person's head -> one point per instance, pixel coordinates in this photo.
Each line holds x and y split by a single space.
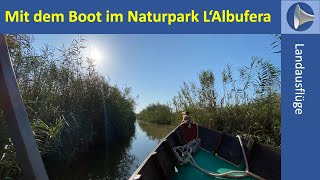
185 113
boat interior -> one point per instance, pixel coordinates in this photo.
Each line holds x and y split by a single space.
219 153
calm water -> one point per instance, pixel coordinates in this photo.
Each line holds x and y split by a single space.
118 161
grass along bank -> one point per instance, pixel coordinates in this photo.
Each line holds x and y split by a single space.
248 103
63 95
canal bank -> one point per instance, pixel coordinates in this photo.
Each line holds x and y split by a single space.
116 162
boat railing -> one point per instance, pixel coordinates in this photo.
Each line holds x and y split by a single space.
18 124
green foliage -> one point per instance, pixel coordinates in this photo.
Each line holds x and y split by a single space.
156 113
67 100
261 77
258 119
47 137
8 165
276 44
248 105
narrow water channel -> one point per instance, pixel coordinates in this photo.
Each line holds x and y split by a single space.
118 161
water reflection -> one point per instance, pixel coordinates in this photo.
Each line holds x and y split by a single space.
117 161
113 162
155 131
147 137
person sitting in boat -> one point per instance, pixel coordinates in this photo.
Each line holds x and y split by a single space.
186 118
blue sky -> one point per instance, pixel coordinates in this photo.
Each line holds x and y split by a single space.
155 66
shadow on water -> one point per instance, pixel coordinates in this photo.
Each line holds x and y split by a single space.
117 161
101 162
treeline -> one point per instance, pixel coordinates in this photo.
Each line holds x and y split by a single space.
70 105
248 103
156 113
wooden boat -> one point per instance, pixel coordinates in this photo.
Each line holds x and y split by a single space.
219 153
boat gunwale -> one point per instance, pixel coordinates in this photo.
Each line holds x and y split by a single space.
154 151
136 172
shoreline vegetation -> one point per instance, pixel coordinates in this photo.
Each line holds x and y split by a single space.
248 105
63 95
73 109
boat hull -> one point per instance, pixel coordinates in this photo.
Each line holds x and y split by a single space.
162 163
